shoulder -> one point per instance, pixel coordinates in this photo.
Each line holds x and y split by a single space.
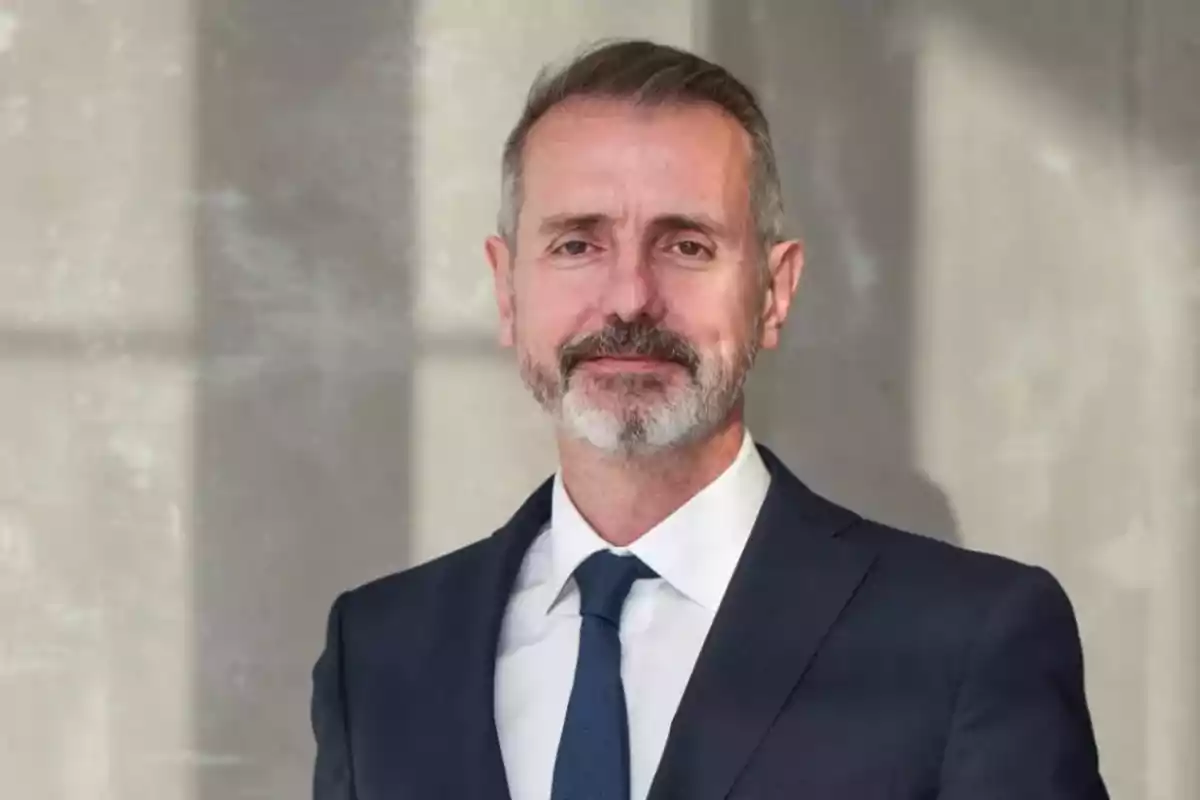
938 588
922 559
423 587
448 590
905 566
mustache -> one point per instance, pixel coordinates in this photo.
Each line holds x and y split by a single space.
636 338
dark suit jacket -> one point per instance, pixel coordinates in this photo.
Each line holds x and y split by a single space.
848 661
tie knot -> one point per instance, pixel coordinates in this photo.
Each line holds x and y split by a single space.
604 580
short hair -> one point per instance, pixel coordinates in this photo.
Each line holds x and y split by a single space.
646 73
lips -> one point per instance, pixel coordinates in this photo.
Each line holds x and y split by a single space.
637 346
628 363
630 358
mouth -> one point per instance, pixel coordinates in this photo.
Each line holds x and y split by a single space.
609 364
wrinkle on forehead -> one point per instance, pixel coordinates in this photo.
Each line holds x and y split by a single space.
635 163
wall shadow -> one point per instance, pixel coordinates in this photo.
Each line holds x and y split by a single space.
1128 71
839 83
304 229
836 399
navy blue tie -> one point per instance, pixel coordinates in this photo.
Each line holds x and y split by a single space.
593 753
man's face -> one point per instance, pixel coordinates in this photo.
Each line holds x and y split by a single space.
636 296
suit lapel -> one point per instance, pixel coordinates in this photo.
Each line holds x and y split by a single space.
473 628
791 583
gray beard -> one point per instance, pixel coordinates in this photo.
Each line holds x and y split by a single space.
644 414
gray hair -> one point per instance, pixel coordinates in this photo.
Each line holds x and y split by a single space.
651 74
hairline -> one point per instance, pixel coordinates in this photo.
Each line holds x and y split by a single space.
762 178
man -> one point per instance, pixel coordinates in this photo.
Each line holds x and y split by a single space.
673 614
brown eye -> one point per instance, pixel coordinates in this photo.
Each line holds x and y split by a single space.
691 249
575 247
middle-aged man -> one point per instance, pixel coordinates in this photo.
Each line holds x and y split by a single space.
673 614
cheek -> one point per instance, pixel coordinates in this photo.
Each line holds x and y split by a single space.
551 308
542 324
716 318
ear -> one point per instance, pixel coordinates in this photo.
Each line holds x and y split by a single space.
500 259
784 264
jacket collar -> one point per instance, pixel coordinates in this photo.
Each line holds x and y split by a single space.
794 564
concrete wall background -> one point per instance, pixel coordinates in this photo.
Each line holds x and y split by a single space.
246 348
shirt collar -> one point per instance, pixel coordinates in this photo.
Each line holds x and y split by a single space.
695 549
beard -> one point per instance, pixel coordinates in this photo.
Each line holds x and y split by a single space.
640 413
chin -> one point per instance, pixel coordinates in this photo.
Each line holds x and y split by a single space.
632 428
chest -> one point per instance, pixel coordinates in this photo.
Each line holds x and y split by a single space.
661 632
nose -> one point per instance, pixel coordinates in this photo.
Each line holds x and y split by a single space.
633 289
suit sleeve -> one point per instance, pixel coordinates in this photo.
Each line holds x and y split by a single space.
332 774
1021 727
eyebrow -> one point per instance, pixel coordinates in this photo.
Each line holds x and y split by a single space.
560 223
701 223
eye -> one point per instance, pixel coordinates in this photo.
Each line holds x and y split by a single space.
572 247
690 248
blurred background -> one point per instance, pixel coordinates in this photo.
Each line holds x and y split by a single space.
247 359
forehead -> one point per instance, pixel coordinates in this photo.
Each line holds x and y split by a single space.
592 155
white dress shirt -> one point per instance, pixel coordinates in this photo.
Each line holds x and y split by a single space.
663 624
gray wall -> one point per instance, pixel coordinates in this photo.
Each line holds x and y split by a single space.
247 360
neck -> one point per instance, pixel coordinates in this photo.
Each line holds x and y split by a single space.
622 497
